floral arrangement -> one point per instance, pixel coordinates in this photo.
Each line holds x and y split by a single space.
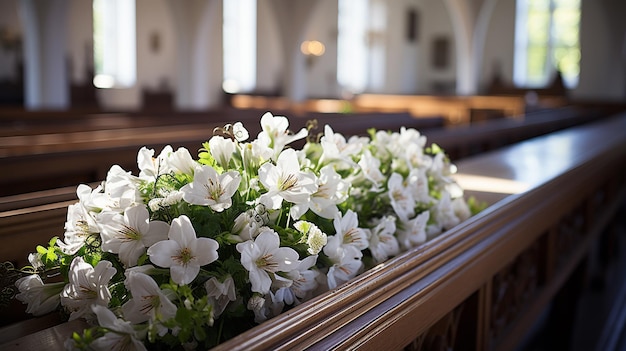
191 252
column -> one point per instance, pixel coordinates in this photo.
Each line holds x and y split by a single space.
45 68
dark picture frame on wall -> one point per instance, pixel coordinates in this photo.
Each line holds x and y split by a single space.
412 23
441 52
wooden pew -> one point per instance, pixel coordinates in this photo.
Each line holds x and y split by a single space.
464 141
483 284
44 161
456 110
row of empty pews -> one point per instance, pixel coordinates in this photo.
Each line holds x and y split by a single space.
479 287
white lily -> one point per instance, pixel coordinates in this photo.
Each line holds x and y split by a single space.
370 166
121 335
130 234
222 150
444 212
92 199
121 189
413 232
247 226
220 293
148 303
183 253
211 189
285 181
151 167
181 161
263 257
87 286
348 232
275 130
303 282
337 150
331 191
346 261
383 243
402 201
79 226
41 298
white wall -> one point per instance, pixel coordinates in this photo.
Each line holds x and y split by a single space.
434 23
80 40
269 50
156 65
603 57
401 76
321 75
499 44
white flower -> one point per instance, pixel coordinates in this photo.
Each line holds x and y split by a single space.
264 307
148 302
303 282
211 189
263 257
181 161
130 234
370 166
79 226
346 261
121 189
444 212
170 199
348 231
418 185
275 131
461 209
315 238
41 298
121 335
247 226
35 260
383 243
240 132
222 150
220 293
285 181
413 232
151 167
401 199
256 304
91 199
337 150
87 286
183 253
331 191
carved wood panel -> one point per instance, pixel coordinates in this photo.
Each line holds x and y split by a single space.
441 336
513 287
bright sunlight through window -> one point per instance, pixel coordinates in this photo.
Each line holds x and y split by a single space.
547 39
239 45
114 40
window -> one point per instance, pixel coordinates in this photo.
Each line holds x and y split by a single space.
547 39
239 36
114 40
361 45
352 46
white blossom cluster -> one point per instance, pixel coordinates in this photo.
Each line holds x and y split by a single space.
245 231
